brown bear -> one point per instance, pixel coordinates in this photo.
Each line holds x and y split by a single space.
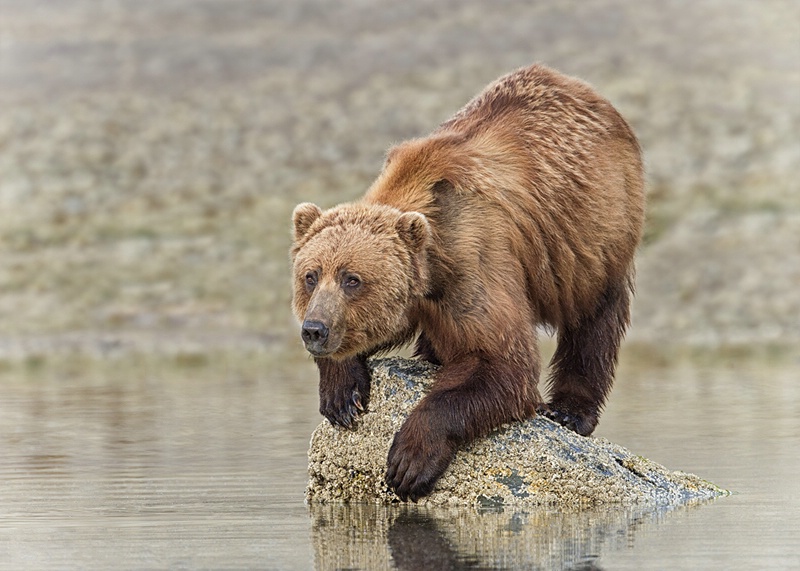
524 209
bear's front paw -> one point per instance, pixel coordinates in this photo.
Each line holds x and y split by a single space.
342 406
344 388
416 463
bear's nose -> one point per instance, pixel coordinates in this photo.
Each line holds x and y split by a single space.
314 333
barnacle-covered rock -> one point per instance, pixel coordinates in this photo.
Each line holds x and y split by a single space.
536 462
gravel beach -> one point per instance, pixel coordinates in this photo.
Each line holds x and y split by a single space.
152 153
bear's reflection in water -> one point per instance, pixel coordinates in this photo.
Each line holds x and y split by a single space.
409 537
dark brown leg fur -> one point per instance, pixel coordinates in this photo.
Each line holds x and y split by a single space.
584 362
470 398
343 389
424 350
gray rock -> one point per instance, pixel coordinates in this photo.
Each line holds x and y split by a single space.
536 462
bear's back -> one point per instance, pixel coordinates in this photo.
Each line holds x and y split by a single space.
542 99
538 168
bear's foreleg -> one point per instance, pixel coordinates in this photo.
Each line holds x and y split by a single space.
423 349
584 362
470 398
343 389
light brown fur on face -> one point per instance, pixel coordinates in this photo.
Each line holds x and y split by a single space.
524 209
381 249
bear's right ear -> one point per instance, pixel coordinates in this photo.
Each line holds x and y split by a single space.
414 230
303 217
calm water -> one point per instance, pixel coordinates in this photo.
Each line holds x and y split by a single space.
142 465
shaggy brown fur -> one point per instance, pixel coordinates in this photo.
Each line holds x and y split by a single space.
525 208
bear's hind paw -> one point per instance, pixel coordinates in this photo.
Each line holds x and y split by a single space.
581 424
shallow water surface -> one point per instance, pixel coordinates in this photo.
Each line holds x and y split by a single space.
131 465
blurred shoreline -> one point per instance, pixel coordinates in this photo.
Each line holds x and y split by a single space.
150 155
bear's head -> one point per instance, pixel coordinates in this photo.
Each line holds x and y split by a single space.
357 271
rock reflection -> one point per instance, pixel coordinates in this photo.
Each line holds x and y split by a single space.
416 541
408 537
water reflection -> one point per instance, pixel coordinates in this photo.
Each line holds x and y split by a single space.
142 464
408 537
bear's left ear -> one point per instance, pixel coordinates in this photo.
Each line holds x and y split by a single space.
303 217
414 230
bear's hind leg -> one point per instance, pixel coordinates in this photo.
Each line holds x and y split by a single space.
584 362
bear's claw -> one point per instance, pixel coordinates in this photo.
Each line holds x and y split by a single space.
583 425
343 411
344 388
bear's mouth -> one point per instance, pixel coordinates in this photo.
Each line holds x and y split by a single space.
318 352
328 350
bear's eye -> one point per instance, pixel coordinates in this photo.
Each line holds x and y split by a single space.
351 282
311 279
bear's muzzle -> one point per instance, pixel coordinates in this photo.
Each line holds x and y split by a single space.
315 336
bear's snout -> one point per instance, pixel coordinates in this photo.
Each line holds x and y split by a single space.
315 336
